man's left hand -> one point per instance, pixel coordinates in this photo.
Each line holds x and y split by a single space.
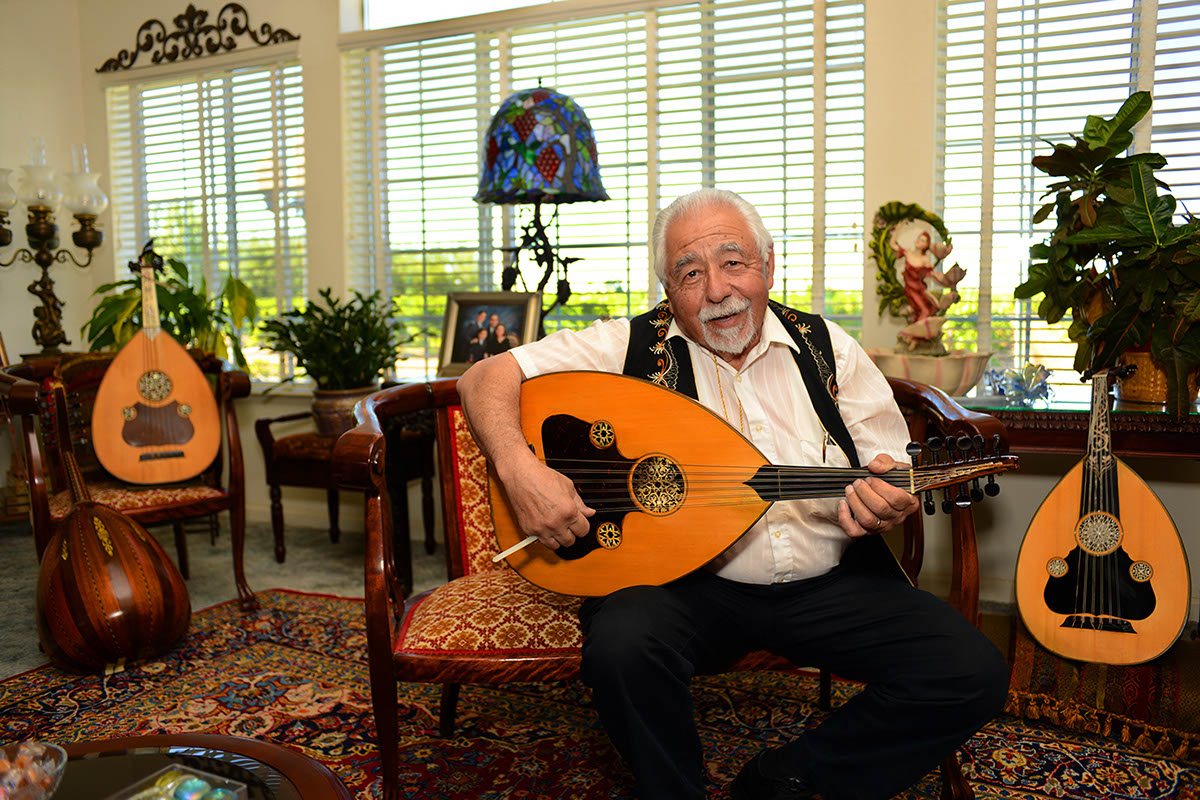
873 505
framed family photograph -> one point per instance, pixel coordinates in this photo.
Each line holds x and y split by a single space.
479 325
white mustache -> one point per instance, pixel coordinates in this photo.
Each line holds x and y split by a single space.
731 305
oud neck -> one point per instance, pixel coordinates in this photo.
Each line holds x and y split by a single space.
773 482
1099 448
150 322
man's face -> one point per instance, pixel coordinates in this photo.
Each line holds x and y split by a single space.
480 318
493 320
716 283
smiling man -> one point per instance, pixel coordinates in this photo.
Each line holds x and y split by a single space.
809 580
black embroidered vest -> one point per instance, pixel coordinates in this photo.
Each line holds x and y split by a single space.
664 361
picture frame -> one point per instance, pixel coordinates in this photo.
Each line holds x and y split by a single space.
466 312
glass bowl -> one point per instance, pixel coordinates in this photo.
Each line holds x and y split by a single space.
30 770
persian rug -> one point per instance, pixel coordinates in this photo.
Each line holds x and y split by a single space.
295 673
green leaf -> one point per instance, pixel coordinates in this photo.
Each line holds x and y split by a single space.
1099 132
1101 234
1149 213
1042 213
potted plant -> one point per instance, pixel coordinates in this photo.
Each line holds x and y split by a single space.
1116 260
186 312
344 346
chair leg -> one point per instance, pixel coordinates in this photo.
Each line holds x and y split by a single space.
427 499
237 529
825 697
277 522
448 710
331 500
181 553
954 785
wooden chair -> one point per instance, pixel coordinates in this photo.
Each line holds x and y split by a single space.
49 499
304 459
534 635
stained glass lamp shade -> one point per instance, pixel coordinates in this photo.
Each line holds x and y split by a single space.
539 148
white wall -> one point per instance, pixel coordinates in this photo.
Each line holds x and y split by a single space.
64 103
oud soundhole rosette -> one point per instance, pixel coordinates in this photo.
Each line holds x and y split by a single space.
602 434
1141 571
1057 567
609 535
154 386
657 485
1098 533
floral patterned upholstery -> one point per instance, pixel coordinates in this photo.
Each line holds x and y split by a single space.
472 503
127 498
491 610
496 612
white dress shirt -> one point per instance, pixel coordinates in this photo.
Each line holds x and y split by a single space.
768 401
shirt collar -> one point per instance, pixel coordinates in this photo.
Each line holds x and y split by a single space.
773 332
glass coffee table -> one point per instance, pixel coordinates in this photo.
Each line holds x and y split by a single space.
270 772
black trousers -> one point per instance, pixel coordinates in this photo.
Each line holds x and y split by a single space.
932 678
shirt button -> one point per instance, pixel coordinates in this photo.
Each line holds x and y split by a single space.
758 427
737 378
778 534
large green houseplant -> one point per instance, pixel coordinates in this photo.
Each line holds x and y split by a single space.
1116 259
344 346
186 312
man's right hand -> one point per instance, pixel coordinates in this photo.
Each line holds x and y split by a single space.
545 504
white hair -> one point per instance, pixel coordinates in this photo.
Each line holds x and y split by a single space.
704 199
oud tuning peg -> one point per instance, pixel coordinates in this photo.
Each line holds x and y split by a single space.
977 444
947 496
991 488
914 453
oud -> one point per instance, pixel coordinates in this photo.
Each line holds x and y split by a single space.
107 593
1102 575
672 483
155 417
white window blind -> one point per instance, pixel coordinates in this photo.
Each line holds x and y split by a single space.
211 167
764 98
1017 73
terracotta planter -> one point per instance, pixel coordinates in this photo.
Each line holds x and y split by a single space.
1149 383
333 409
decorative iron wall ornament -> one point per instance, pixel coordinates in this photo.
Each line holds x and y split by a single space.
195 37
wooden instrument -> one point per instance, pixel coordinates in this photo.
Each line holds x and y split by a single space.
672 484
155 416
107 593
1102 575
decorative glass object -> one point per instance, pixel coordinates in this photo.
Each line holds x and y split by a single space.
539 147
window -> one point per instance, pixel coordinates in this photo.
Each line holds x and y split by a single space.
765 98
212 168
1017 73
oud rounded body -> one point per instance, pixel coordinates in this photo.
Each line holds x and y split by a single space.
107 592
155 417
1100 587
654 446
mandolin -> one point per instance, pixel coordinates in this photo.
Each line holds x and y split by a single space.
155 417
107 593
1102 575
672 483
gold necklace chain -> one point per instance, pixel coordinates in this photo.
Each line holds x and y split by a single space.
721 392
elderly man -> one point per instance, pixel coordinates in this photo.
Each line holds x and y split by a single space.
810 580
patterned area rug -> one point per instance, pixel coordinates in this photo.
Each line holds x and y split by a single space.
295 673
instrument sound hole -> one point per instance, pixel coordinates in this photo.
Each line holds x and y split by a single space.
1057 567
1141 571
154 386
1098 533
657 485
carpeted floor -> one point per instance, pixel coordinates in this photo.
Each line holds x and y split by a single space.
313 564
294 672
